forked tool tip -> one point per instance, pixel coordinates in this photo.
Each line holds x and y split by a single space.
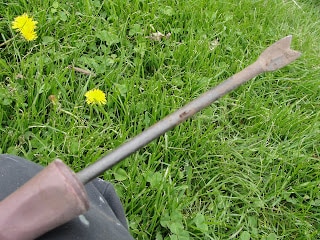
278 55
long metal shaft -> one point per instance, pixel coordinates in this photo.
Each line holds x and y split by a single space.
168 123
274 57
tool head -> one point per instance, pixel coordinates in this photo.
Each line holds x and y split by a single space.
278 55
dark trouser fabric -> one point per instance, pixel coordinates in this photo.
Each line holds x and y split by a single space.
105 219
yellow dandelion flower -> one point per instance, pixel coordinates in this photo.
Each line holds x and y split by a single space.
95 96
26 26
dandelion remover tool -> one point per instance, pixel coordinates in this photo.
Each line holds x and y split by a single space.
57 194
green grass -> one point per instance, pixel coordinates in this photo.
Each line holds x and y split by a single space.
246 167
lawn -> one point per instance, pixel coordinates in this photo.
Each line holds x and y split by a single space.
247 167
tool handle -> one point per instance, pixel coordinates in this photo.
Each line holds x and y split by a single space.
52 197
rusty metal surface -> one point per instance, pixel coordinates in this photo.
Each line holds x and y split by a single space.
51 198
278 55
